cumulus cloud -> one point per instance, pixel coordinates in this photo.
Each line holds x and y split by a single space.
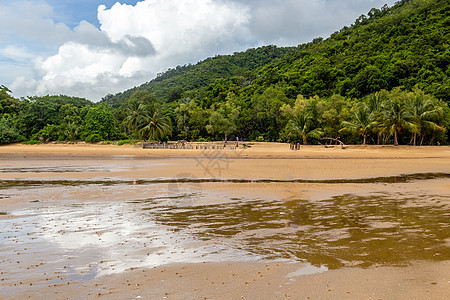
135 42
129 45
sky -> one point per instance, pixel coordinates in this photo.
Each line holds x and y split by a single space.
91 48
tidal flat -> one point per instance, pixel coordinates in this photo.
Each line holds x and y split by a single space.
368 222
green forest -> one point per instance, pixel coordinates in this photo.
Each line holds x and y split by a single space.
382 80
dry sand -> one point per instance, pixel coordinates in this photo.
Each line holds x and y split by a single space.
228 280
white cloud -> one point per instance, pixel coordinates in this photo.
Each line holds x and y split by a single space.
17 53
32 21
134 43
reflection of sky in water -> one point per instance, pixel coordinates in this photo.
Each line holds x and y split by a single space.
87 240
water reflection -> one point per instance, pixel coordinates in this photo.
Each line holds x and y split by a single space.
86 240
347 230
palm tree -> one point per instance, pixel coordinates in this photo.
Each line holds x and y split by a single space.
301 125
154 125
395 117
135 114
424 115
375 105
362 122
71 131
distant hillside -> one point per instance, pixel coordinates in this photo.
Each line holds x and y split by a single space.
400 46
170 85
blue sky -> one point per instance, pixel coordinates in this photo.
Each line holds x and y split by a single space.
90 48
71 12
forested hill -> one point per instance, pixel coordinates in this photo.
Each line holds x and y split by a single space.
171 85
400 46
382 80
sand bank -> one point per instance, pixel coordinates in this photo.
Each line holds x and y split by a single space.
253 150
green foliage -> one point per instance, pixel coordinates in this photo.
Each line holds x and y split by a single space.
8 132
37 112
222 118
172 84
126 142
154 124
301 126
145 117
362 121
51 132
93 138
99 124
8 104
31 142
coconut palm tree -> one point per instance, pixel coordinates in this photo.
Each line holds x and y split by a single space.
424 113
301 125
363 120
135 116
395 117
154 125
71 130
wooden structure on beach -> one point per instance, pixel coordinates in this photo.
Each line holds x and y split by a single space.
185 145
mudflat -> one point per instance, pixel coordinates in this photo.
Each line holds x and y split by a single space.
115 222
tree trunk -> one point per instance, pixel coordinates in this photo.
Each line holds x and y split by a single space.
305 142
395 138
364 139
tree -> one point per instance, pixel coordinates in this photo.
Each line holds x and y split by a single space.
99 124
361 123
191 120
8 132
223 117
301 125
396 116
154 124
425 115
8 104
331 114
135 115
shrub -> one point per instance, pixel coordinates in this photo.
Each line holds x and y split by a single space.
31 142
93 138
8 132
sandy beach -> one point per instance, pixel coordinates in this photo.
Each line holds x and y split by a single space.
364 222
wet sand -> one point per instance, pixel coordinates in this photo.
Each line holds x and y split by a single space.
65 185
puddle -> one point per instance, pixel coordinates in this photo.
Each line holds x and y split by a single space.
340 232
76 242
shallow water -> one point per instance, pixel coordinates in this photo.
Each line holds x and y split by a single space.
76 230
